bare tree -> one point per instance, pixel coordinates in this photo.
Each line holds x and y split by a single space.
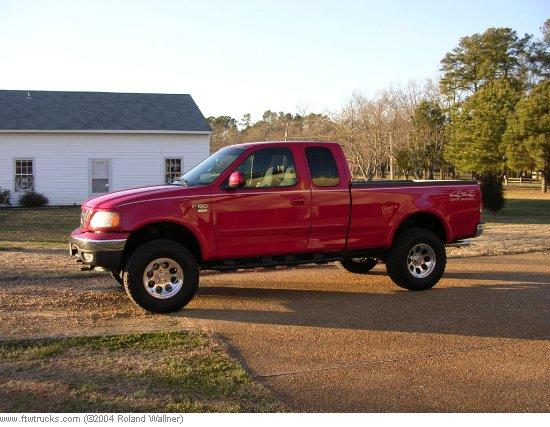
361 127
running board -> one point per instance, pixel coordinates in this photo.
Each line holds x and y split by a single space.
288 259
459 244
273 261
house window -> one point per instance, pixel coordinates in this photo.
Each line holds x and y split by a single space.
24 175
100 176
172 170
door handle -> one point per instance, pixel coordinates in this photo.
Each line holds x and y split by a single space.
298 202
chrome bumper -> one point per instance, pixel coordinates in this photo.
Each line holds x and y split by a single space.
102 254
466 242
98 245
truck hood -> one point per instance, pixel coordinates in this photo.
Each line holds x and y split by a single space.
142 194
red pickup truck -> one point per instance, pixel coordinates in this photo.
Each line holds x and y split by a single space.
268 204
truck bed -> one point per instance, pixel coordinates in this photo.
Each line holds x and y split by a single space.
378 207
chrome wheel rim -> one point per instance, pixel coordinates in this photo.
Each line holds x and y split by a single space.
163 278
421 261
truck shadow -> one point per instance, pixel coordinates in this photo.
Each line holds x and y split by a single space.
509 310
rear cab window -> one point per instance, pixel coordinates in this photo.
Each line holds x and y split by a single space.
322 167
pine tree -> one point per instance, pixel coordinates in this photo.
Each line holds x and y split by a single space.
477 129
479 59
527 137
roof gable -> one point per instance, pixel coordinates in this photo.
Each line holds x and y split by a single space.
99 111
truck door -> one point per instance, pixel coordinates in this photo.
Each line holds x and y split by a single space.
330 201
270 214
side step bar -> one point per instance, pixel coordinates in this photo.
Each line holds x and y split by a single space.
459 243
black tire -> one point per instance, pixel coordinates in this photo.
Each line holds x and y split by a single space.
359 267
117 275
404 273
135 270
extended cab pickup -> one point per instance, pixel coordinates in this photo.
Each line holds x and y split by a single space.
269 204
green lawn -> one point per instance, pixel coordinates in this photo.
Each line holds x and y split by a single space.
158 372
521 211
37 227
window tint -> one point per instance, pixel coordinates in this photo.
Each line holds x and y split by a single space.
172 170
322 166
24 176
270 167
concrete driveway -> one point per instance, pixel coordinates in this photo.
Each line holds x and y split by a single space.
326 340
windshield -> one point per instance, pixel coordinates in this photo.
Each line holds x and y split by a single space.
210 168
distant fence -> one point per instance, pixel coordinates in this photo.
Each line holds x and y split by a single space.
522 180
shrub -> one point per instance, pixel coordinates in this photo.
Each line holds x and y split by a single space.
31 199
492 193
5 197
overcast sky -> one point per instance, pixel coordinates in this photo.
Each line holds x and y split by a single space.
236 56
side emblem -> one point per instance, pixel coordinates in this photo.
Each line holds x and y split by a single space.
462 195
201 208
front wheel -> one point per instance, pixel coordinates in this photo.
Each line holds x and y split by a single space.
161 276
359 265
417 259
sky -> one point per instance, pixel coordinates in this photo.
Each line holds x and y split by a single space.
242 56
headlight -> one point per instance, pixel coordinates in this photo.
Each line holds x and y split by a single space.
105 220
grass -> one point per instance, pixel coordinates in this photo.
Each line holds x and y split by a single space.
523 206
157 372
48 227
521 211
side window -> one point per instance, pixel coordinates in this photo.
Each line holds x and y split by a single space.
270 167
322 166
24 175
172 170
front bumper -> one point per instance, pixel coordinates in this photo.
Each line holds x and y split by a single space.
92 252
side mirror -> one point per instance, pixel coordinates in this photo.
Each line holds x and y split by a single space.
236 180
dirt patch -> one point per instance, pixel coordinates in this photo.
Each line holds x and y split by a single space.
39 263
507 239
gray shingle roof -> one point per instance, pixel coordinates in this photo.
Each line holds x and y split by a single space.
47 110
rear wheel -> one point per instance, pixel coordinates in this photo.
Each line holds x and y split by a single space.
359 265
417 259
161 276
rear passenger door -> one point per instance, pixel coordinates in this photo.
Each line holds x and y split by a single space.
270 214
330 200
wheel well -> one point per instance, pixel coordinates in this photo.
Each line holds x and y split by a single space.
423 220
162 230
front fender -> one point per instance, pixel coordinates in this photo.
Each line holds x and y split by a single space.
181 211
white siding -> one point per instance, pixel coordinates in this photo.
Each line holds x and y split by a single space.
61 161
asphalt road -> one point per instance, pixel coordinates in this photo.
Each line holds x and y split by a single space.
326 340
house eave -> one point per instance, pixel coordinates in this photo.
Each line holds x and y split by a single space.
106 131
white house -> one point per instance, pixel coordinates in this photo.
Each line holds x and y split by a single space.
73 145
